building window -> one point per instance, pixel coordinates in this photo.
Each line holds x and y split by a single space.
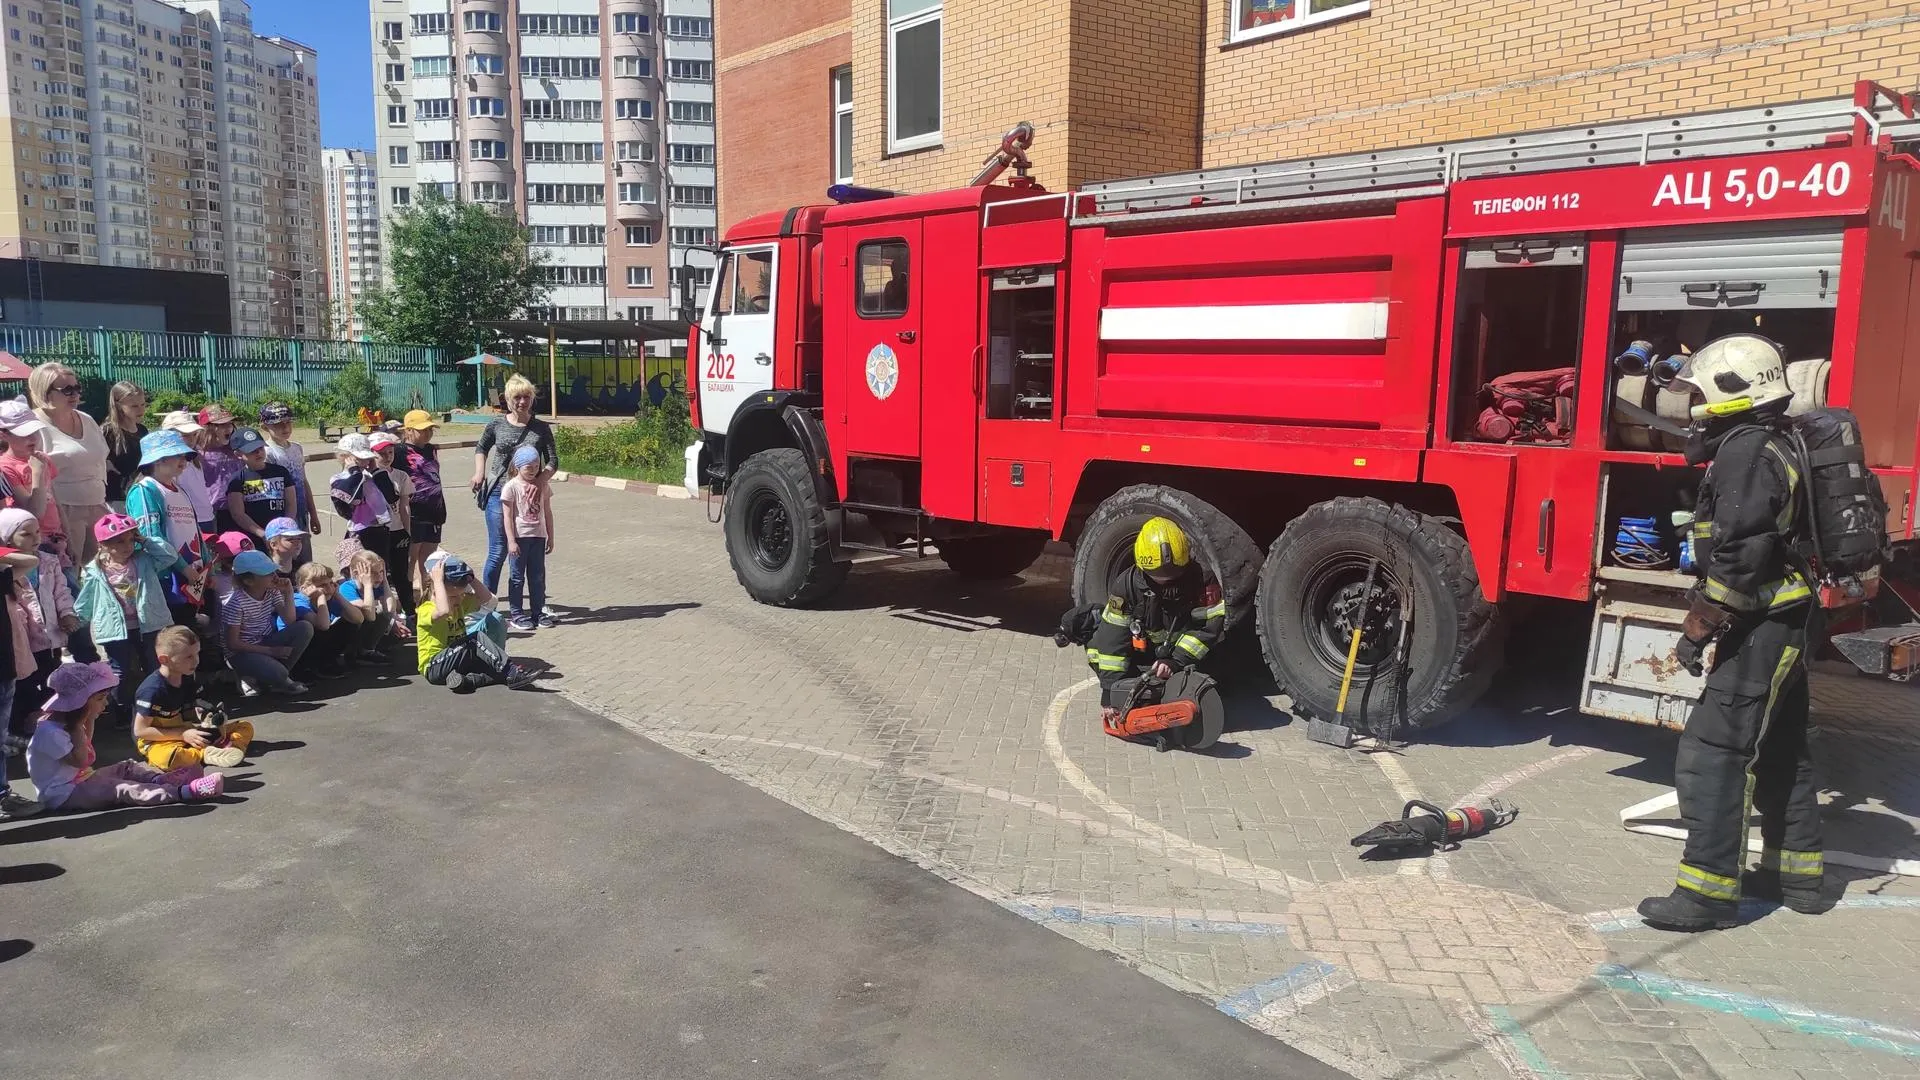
574 275
396 155
486 64
633 109
1263 18
560 67
559 151
430 24
433 108
690 112
396 73
486 150
632 24
436 151
686 26
428 67
569 235
639 193
639 235
633 67
392 31
690 154
494 191
632 150
881 279
396 116
567 109
446 190
640 277
690 70
402 196
486 106
843 126
481 20
567 194
695 237
691 195
913 74
561 25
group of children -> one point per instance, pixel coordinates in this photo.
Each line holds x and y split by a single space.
185 582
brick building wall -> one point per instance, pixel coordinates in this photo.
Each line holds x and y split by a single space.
1416 71
774 98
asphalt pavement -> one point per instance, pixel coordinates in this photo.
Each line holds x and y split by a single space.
408 883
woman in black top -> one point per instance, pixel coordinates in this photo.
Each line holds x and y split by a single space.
492 458
123 430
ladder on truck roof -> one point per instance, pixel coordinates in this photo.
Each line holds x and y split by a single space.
1317 183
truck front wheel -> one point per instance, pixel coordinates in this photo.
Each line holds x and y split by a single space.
1313 593
777 536
986 558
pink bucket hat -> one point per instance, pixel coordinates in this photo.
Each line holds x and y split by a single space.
73 684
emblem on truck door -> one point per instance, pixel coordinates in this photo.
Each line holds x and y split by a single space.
883 372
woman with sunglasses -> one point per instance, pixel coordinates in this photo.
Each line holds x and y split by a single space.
74 444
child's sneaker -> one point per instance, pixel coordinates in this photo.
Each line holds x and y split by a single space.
223 757
520 622
248 689
210 786
518 677
291 686
547 621
15 807
460 683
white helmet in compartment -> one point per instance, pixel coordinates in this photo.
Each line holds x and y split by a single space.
1736 373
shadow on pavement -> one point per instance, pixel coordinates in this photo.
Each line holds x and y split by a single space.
75 826
25 872
14 949
570 615
1030 604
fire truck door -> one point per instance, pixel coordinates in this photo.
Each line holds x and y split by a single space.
883 346
736 337
1018 418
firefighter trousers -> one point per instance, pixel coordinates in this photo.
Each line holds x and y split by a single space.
1749 744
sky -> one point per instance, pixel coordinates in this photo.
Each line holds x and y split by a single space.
341 32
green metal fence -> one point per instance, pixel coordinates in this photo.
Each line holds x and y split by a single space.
220 365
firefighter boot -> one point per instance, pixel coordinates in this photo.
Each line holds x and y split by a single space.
1796 892
1687 911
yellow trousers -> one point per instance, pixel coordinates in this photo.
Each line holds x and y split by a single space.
172 754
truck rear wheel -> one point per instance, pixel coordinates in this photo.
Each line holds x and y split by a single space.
1226 552
1000 555
776 529
1311 594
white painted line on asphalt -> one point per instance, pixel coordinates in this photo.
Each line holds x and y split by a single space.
1639 818
1499 784
1165 843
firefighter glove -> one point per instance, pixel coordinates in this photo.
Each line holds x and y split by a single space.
1705 622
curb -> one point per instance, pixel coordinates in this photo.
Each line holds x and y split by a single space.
640 487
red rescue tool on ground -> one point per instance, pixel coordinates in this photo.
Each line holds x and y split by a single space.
1444 360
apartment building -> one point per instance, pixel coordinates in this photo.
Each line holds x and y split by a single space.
168 136
912 94
590 120
353 234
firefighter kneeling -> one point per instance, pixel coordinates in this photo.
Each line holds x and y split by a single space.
1162 617
1747 741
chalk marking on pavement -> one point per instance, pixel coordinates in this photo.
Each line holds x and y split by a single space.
1057 913
1171 845
1293 984
1403 786
1505 1038
1618 919
1501 783
1852 1030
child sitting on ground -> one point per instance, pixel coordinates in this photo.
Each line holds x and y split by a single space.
124 604
526 512
263 654
166 720
285 541
364 585
462 641
60 758
336 623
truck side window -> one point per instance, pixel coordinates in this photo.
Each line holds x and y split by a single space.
751 290
881 283
1020 335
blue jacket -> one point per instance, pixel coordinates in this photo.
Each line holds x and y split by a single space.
147 506
101 609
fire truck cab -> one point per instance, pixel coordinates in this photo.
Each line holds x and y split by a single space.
1300 362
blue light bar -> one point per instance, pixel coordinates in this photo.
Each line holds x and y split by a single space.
849 193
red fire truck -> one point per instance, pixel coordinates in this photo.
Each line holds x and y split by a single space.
1298 362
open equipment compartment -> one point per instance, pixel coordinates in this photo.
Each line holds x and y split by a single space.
1519 309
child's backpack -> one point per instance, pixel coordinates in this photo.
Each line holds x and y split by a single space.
1847 511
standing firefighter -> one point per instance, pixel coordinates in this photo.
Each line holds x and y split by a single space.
1747 742
1161 616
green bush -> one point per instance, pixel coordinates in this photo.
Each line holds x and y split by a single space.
651 446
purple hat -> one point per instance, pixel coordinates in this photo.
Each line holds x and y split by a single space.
73 684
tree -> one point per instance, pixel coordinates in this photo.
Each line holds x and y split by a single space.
452 266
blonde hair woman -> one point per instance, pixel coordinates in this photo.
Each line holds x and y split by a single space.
124 428
74 444
492 462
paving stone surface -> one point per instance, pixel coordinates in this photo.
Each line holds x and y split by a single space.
934 718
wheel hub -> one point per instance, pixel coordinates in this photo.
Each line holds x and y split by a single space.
772 531
1337 600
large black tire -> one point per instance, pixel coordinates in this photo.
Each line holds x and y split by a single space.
777 533
1000 555
1458 637
1226 552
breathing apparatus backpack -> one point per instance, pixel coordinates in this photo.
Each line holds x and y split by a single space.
1847 512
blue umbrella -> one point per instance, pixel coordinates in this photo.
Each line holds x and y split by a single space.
479 361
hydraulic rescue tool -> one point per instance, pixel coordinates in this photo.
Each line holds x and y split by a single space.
1436 828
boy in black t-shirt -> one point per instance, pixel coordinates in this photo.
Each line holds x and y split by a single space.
258 493
166 717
